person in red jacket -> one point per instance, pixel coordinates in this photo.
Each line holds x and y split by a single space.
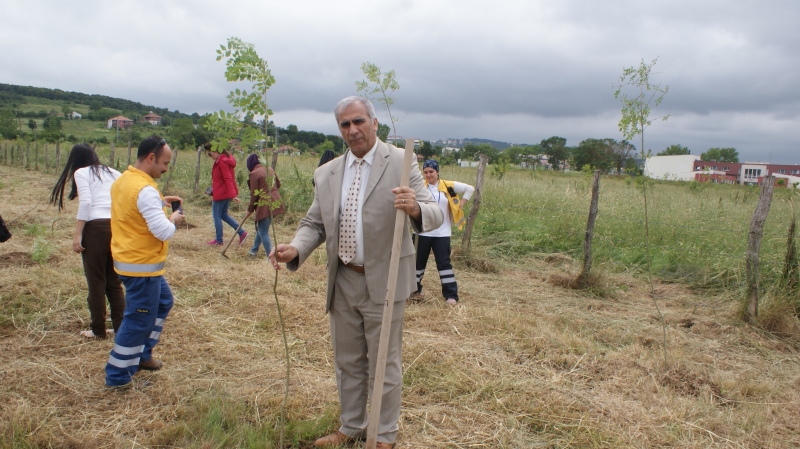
223 185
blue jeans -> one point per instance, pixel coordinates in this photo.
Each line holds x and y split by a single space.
219 210
262 236
148 302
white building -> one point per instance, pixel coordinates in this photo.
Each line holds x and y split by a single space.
672 168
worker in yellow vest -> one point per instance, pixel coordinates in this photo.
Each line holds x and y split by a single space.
140 233
446 195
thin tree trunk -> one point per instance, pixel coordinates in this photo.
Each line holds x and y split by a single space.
197 169
476 204
754 247
583 279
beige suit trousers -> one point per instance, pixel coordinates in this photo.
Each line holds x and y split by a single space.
355 333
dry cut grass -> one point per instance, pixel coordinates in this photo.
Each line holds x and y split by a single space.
520 362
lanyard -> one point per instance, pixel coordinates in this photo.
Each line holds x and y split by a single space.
438 198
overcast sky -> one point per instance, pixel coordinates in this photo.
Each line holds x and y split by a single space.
515 71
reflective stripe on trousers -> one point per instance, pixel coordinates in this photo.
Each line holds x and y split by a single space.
148 302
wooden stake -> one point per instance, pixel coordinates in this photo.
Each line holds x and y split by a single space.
111 156
129 154
388 310
476 205
46 158
754 246
583 279
197 169
58 156
274 160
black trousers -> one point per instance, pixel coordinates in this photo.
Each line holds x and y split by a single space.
441 253
101 278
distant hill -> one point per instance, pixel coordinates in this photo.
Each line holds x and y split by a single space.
12 96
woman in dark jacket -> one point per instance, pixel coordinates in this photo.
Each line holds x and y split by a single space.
262 202
223 184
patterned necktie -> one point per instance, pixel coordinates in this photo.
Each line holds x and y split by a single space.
347 226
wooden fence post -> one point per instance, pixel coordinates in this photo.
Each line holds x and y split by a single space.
274 160
36 157
583 279
111 156
171 168
58 156
476 204
129 153
46 159
28 155
197 169
754 246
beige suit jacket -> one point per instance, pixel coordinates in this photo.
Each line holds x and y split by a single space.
321 223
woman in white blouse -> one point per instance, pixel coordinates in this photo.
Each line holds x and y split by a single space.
91 183
446 194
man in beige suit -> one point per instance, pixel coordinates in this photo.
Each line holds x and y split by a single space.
355 202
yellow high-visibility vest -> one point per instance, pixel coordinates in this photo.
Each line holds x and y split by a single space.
135 250
455 212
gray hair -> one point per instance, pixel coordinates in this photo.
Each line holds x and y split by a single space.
344 103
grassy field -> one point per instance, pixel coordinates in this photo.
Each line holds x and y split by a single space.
520 362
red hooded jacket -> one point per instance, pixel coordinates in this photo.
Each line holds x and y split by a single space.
223 179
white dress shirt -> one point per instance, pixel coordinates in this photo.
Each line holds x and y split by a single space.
349 174
151 206
94 193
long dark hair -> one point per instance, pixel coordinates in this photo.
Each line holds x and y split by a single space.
81 155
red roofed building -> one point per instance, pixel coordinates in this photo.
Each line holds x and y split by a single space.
151 118
120 121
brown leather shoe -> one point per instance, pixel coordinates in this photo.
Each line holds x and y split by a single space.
380 445
150 365
333 440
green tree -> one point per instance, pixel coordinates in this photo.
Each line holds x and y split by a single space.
635 119
621 153
325 146
674 150
596 153
382 85
181 133
383 131
242 64
95 105
67 111
52 124
8 124
471 151
636 109
426 150
555 148
720 155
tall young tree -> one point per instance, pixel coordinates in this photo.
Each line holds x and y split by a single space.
635 119
243 64
384 86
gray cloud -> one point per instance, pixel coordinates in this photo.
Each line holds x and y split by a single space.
505 70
